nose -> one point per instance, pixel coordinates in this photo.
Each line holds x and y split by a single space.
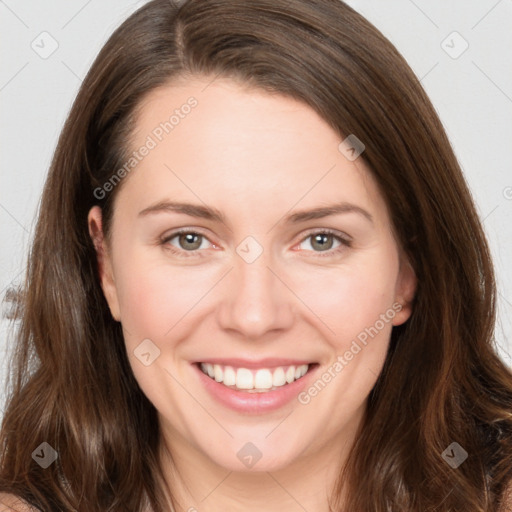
255 299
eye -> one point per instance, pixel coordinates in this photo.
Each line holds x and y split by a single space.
186 241
323 241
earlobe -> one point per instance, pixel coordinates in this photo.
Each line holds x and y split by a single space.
405 292
94 221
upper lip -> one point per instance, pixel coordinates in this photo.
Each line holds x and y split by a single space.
253 363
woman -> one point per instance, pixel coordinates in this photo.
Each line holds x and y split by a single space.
258 281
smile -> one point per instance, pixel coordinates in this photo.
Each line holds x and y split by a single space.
254 381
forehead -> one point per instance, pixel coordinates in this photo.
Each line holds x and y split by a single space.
223 108
222 140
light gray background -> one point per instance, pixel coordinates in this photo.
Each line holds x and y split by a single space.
471 90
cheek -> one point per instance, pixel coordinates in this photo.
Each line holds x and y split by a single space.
155 297
351 298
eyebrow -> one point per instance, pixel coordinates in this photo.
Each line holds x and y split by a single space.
210 213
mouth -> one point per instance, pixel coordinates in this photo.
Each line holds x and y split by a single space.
255 380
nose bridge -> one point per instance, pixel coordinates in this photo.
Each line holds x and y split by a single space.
256 300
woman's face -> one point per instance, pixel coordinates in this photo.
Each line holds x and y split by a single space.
288 263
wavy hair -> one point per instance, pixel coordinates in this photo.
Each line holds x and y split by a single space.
443 381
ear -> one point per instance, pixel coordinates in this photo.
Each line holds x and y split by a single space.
94 221
405 291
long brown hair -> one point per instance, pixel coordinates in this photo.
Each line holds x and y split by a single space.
442 382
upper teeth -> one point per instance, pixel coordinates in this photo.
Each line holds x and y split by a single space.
263 378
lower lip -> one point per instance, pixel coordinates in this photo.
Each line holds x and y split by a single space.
255 403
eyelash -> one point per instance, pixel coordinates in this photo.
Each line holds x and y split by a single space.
186 254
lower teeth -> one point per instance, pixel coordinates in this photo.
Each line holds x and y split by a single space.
255 390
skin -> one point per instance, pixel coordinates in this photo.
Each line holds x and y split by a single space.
255 157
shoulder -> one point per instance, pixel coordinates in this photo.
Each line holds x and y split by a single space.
13 503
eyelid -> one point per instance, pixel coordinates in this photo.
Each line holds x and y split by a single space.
338 234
